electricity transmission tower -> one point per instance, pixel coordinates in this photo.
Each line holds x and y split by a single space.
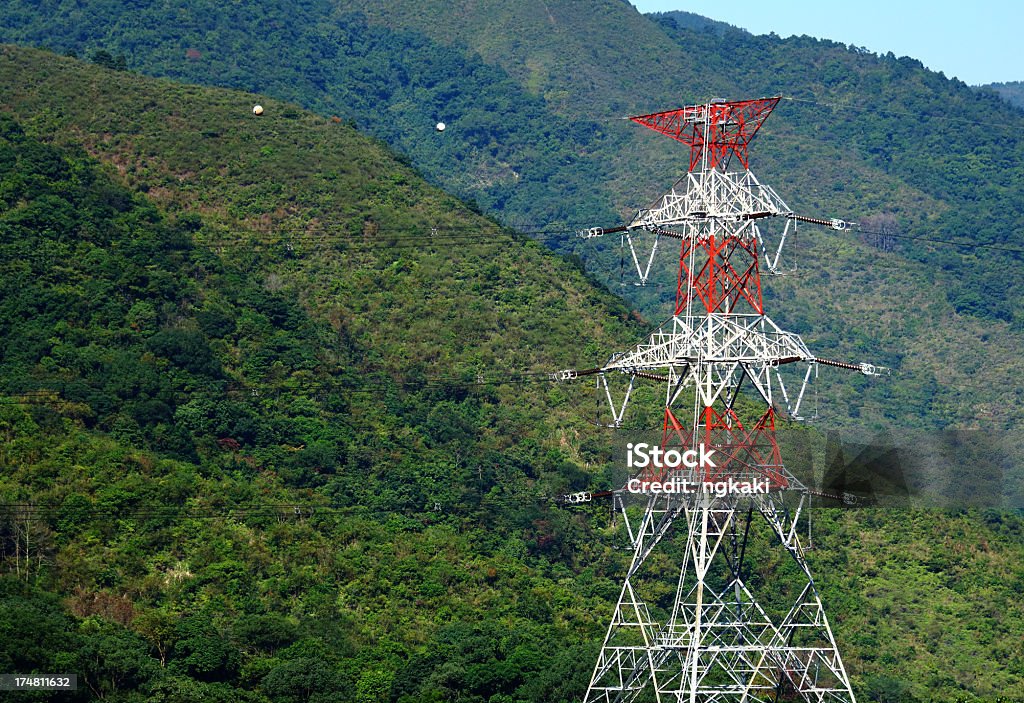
734 619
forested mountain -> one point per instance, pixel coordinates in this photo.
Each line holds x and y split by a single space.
276 415
272 430
533 96
1012 92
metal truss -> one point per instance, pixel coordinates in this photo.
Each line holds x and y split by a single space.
717 642
713 195
751 344
715 132
719 635
701 204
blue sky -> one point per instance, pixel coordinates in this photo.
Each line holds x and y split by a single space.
977 41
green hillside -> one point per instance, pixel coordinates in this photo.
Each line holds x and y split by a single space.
272 430
533 100
262 433
859 136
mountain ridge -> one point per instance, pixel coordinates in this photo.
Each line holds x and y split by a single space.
376 593
535 136
1011 91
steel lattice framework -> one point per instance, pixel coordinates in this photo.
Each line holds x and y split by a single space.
720 634
715 131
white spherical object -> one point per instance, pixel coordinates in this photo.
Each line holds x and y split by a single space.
440 126
257 109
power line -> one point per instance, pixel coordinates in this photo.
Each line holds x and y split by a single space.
417 239
863 108
57 393
29 510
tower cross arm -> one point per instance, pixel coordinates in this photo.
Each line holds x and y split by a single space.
715 131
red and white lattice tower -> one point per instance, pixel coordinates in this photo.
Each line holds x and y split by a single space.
720 630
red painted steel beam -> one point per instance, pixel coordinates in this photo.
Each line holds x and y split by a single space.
715 132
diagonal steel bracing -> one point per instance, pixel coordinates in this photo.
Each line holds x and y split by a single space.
722 631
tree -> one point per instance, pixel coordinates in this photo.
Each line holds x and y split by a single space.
880 231
201 652
305 680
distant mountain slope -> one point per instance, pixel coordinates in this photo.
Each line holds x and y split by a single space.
276 418
533 96
500 145
695 22
1012 92
859 135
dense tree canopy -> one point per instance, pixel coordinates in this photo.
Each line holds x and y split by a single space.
253 453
